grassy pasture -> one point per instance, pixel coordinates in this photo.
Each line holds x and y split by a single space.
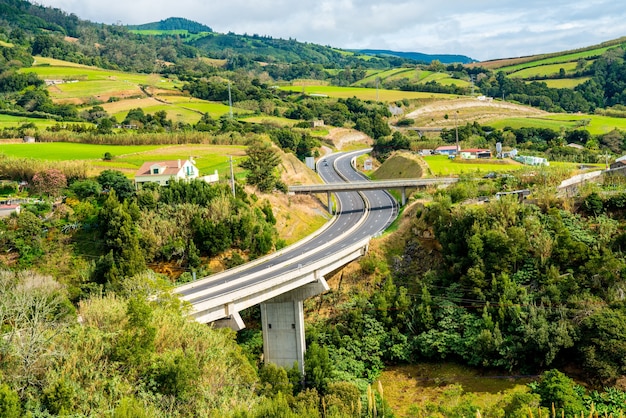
441 165
573 57
128 158
208 157
444 79
272 120
8 121
383 75
598 125
100 90
92 82
175 113
365 93
63 151
565 83
544 70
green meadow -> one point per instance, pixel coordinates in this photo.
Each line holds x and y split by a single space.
597 125
9 121
544 70
64 151
575 56
441 165
128 158
565 83
365 93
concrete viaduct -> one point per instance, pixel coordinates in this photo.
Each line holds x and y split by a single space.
280 282
371 185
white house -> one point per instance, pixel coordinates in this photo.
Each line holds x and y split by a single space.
162 172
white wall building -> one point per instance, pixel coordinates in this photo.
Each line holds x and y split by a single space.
162 172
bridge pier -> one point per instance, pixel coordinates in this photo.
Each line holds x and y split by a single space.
330 202
403 196
282 320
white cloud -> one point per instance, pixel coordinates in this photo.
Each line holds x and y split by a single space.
481 29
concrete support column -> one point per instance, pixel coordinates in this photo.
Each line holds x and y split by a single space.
282 321
283 333
403 196
330 203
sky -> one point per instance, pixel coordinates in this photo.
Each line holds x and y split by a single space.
480 29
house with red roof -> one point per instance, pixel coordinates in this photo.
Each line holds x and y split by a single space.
162 172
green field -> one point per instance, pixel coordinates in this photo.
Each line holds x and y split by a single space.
84 84
365 93
598 125
8 121
544 70
441 165
565 83
573 57
63 151
128 158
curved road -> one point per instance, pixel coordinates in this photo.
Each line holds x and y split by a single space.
352 208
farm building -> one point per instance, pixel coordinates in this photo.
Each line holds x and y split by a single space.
162 171
619 162
473 153
447 150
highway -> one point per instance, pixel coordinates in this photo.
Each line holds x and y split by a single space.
354 221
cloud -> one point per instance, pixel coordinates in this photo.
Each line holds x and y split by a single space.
482 29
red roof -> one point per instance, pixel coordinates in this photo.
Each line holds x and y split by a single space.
446 147
171 167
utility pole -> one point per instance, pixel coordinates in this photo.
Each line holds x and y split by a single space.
456 131
230 104
232 175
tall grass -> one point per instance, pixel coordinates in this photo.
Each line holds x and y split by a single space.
133 138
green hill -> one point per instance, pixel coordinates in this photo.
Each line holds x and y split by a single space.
173 23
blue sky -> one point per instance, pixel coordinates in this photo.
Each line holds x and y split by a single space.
481 29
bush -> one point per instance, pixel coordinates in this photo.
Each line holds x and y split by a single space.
9 402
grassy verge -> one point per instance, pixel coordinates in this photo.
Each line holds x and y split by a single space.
427 389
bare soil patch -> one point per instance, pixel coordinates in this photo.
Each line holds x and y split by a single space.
341 137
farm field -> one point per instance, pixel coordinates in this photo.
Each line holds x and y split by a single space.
128 158
544 70
85 84
64 151
598 125
575 56
365 93
9 121
441 165
565 83
272 120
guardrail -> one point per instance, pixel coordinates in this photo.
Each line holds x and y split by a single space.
233 301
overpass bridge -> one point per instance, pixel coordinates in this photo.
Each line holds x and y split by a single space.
282 281
401 184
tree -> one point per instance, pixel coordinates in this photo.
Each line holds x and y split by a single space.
51 182
125 257
261 165
116 180
557 389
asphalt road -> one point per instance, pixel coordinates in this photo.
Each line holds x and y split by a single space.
352 207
